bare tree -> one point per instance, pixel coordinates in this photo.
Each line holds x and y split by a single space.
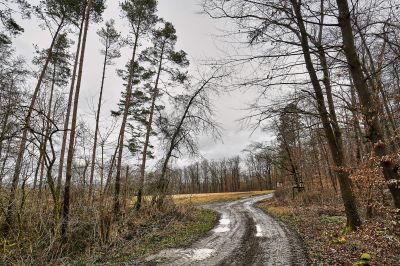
195 116
110 40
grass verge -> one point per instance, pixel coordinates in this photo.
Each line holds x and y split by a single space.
146 235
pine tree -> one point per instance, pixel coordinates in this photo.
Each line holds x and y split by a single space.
141 17
163 57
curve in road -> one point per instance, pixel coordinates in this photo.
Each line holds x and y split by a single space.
245 235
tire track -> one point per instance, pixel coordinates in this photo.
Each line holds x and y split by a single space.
245 235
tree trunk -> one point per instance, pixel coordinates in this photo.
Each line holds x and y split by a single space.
148 133
24 138
68 113
71 150
128 96
97 124
334 141
370 104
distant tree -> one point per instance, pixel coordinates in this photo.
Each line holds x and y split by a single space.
288 129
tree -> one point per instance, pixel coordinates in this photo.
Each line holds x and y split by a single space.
71 148
59 11
57 76
194 115
141 17
288 130
164 57
13 75
109 37
369 102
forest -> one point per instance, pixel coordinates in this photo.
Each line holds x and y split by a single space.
107 188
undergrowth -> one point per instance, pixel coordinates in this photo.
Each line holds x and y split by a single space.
95 239
318 215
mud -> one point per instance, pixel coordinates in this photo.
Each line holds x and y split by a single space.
245 235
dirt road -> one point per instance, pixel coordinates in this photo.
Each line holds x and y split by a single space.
245 235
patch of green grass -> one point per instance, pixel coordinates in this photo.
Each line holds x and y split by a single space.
182 235
176 234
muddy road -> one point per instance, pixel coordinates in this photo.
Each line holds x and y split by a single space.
245 235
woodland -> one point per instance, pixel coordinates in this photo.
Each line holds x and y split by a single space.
327 79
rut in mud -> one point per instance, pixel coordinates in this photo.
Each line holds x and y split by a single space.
245 235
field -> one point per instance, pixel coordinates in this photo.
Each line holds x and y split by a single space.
199 199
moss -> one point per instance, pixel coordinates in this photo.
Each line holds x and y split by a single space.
347 229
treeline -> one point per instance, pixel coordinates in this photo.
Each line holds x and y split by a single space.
59 175
328 76
254 172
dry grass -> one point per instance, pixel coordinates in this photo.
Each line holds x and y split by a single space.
94 240
206 198
203 198
278 210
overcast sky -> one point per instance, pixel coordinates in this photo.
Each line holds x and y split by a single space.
197 35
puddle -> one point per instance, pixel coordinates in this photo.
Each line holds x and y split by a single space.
224 221
201 254
223 225
259 231
221 229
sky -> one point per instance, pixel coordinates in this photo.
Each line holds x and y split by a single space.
198 35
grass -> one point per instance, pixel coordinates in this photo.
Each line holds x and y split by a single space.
180 234
153 236
136 235
153 231
206 198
